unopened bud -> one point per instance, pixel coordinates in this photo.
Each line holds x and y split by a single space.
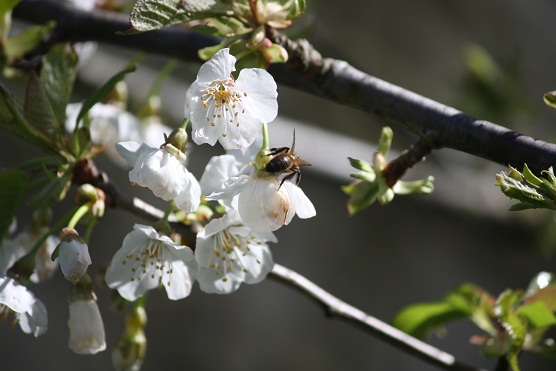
85 327
73 255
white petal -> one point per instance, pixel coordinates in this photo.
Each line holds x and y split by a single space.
218 170
263 207
242 136
303 206
211 283
131 150
219 67
31 311
230 188
189 198
86 328
134 278
261 100
11 252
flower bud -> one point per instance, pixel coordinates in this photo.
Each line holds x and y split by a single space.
73 255
85 327
129 352
178 139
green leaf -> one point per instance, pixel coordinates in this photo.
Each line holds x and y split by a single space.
361 165
546 295
148 15
532 178
537 314
57 77
13 185
38 111
420 319
363 194
5 17
424 186
26 41
105 89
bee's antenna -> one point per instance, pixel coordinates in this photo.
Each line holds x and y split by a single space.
293 144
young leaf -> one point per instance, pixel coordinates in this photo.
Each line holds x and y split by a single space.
419 319
148 15
537 314
57 77
38 111
13 185
26 41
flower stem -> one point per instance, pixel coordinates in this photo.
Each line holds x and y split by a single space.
265 137
184 123
79 213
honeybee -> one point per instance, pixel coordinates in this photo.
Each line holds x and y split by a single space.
285 160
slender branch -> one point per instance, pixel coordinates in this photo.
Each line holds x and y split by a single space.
86 171
337 308
308 71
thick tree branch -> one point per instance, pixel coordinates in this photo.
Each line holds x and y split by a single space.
329 78
306 70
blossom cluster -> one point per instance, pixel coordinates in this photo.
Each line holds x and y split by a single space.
247 204
230 249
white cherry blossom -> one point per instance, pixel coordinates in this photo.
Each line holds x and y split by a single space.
229 253
163 173
86 330
149 260
230 111
28 311
263 204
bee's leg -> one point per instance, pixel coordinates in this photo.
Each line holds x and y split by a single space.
288 177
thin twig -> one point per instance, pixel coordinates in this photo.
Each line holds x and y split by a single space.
306 70
333 306
337 308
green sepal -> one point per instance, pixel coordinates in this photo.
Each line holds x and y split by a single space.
13 185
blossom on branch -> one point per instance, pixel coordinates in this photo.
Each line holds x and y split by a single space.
28 311
149 260
228 110
85 327
229 253
163 172
263 203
